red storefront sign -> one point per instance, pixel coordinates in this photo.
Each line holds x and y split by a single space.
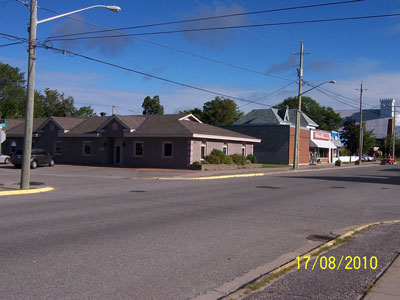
324 136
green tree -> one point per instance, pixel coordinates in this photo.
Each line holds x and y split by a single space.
152 106
221 112
325 117
387 146
56 104
351 137
12 92
197 112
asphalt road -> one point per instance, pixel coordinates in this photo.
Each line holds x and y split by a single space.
109 234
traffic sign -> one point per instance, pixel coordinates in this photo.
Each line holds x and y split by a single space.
2 136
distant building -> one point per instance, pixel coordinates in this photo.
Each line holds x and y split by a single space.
276 129
151 141
379 120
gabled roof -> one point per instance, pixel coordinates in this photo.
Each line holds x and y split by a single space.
11 123
183 125
89 125
68 123
20 128
273 116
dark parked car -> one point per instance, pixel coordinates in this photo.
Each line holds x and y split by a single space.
39 157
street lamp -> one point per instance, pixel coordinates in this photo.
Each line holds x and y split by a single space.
297 125
26 158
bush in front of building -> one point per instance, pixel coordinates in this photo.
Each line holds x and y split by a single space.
229 160
252 158
213 159
238 159
220 154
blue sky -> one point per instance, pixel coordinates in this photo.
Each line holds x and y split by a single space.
349 52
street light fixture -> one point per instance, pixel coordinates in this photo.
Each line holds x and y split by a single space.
297 125
26 158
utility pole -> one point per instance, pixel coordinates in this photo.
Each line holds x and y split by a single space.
298 115
394 134
26 157
361 127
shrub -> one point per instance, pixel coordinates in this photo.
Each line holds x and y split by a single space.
196 163
229 160
204 162
213 159
252 158
238 159
220 154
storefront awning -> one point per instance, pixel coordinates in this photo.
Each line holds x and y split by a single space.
322 144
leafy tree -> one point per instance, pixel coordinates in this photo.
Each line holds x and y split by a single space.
387 146
351 137
52 103
325 117
12 92
152 106
56 104
217 112
221 112
197 112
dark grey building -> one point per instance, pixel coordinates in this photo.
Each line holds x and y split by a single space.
157 141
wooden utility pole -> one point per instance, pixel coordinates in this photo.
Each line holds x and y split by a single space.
394 133
26 156
298 115
361 126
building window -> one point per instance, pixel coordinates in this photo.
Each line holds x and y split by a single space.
167 149
13 147
87 148
225 149
57 148
244 150
203 150
138 149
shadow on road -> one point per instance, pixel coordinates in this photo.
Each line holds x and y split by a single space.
391 180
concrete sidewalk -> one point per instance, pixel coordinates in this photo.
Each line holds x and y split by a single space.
348 276
388 286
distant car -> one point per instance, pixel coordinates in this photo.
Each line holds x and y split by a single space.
39 157
4 159
366 157
387 160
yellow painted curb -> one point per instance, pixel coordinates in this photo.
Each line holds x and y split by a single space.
313 252
23 192
207 177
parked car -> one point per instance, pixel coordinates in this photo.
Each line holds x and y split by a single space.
366 157
39 157
387 160
4 159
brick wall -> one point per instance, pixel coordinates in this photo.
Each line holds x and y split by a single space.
304 146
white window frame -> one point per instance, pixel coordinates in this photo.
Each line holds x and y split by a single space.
243 150
83 148
55 148
11 146
203 145
225 146
163 149
134 149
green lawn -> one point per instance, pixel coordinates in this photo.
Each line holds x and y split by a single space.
274 166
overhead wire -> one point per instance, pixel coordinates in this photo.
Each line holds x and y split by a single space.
216 17
229 27
63 51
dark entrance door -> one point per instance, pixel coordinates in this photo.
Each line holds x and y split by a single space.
118 154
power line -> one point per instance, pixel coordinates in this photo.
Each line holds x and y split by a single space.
230 27
11 44
147 74
169 47
269 94
214 17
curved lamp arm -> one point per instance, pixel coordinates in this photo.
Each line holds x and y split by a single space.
110 7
